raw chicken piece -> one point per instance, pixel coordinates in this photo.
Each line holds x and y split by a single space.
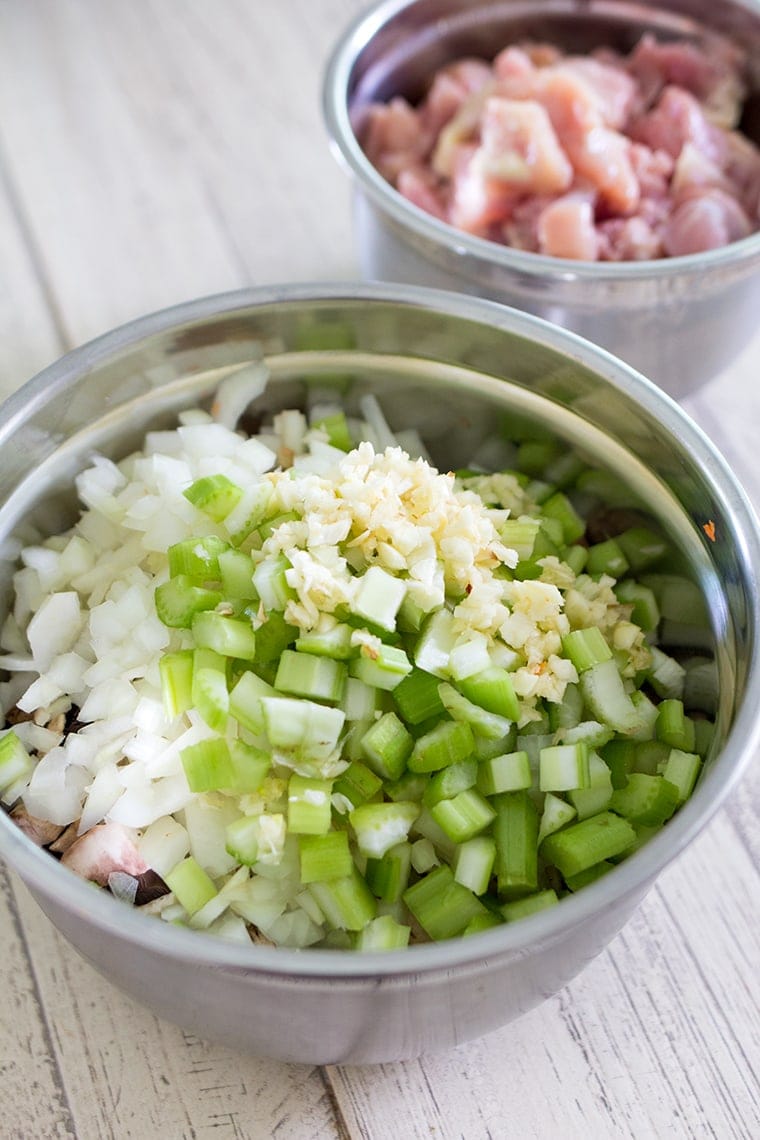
477 201
566 229
420 187
392 136
451 87
628 239
712 74
520 149
707 220
676 120
598 154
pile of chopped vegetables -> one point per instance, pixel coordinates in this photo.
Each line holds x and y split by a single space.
301 687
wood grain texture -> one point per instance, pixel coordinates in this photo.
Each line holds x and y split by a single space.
160 149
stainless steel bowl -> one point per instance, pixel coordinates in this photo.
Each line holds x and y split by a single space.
452 366
681 320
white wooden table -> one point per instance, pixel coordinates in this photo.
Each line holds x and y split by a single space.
155 150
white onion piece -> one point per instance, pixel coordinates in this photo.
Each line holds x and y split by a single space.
54 628
55 789
237 391
163 844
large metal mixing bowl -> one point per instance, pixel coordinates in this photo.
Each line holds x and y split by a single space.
453 366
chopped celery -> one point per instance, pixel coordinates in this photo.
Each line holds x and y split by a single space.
483 723
358 784
449 742
581 845
555 815
388 876
473 863
304 675
449 782
417 698
333 642
586 648
563 767
509 772
227 636
681 770
441 905
209 688
176 671
272 637
197 558
347 903
383 933
379 597
190 884
179 600
385 671
380 826
236 575
309 805
493 691
648 800
673 727
15 761
530 904
387 746
324 857
515 830
215 495
245 701
208 765
606 558
464 816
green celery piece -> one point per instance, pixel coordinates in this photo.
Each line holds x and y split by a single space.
448 782
563 767
386 746
250 767
581 845
619 756
647 800
242 839
480 923
673 727
209 688
271 584
590 875
214 495
642 547
464 816
645 611
515 830
309 805
324 857
383 933
197 558
335 426
191 886
508 772
520 535
411 786
681 769
208 765
358 784
575 557
273 636
245 701
388 876
15 761
597 796
474 861
586 648
559 507
227 636
441 905
492 690
649 756
679 598
569 711
316 678
556 814
666 675
380 826
530 904
534 455
378 597
606 558
347 903
606 698
179 600
334 642
176 672
448 743
236 575
386 671
483 723
416 697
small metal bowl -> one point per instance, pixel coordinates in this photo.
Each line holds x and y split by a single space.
678 320
452 366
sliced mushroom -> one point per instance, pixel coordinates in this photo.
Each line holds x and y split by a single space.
40 831
106 848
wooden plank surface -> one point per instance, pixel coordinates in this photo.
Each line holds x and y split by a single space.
161 149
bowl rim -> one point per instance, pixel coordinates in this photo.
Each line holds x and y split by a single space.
630 879
442 237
